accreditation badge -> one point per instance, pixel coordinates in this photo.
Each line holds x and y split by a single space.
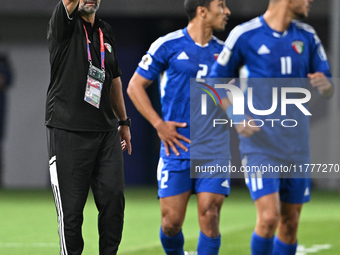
94 86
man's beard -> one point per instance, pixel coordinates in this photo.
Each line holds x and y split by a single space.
89 9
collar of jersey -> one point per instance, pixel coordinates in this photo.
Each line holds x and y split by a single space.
185 31
273 32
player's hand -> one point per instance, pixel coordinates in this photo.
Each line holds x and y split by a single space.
167 132
320 81
125 137
246 130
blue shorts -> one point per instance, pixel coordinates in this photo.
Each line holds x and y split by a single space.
173 177
291 189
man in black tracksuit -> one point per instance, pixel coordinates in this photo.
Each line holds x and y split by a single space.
84 101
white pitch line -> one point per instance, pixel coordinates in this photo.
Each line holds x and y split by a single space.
302 250
15 245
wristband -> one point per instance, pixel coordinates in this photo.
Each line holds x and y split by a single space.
235 118
126 122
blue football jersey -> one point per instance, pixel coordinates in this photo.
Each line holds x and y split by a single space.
254 52
175 58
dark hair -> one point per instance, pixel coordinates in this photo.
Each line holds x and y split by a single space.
190 6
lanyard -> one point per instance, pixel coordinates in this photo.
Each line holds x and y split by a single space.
102 49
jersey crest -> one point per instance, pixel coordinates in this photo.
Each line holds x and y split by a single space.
108 47
298 46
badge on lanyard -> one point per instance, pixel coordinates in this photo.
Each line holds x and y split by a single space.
95 76
94 86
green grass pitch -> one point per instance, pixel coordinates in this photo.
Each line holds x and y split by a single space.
28 224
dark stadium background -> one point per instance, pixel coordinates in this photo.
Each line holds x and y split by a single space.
136 24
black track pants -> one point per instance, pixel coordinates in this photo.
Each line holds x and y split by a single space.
78 161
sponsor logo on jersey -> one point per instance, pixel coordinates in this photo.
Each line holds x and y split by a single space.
263 50
307 193
225 184
108 47
298 46
216 55
183 56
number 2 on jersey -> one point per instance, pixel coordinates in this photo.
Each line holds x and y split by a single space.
202 72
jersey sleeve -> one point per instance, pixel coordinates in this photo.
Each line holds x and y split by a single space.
319 61
61 23
115 68
154 62
230 59
227 65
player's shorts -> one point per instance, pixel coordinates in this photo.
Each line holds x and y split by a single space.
173 177
291 189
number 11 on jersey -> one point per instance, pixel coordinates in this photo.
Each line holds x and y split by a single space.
286 65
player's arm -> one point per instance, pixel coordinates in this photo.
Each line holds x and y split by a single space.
118 106
61 24
70 5
320 75
244 130
167 130
227 65
321 82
